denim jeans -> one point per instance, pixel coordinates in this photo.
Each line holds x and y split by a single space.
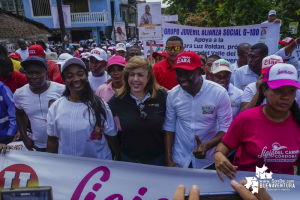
158 161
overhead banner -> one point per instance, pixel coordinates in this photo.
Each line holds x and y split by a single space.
149 20
66 13
223 41
86 178
120 32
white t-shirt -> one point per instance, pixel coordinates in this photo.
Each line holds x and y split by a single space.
36 108
235 96
23 53
233 68
96 82
244 76
69 122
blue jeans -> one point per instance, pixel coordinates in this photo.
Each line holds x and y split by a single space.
158 161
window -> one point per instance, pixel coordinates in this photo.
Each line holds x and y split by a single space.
10 6
77 6
41 7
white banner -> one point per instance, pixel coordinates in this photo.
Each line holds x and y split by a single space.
120 32
149 20
223 41
66 13
86 178
169 18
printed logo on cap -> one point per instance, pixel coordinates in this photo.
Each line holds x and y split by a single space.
287 39
271 60
184 59
96 52
282 71
31 51
222 64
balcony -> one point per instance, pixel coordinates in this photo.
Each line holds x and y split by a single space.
89 17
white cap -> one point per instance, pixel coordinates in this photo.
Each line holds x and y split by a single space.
63 57
99 54
269 61
70 61
128 45
111 48
220 65
51 56
104 47
85 55
108 53
120 47
272 12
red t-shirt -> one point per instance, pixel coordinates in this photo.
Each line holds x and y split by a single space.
17 80
259 140
53 70
58 79
163 74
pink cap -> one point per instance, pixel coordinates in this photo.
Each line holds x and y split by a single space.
116 60
269 61
188 60
281 74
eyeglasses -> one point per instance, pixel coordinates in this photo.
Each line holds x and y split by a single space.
30 74
176 48
143 115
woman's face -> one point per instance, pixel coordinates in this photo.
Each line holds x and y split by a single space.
75 78
280 99
137 80
116 73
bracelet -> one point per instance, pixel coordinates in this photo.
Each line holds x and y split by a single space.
218 151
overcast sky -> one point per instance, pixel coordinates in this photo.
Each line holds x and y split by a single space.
162 4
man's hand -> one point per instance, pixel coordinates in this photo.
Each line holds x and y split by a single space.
202 147
4 148
171 163
29 143
17 137
277 21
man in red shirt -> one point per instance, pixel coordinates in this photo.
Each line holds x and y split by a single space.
12 79
163 72
53 68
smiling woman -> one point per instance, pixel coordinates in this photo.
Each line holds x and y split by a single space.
88 116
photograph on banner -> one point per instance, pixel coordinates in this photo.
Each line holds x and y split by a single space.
149 20
120 31
66 13
223 41
157 45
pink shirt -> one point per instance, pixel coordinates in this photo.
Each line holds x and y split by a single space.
105 92
259 140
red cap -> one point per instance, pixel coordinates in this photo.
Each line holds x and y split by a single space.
287 40
35 50
14 55
188 60
162 53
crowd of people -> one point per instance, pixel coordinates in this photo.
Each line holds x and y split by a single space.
188 110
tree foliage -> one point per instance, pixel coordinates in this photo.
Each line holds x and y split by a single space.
223 13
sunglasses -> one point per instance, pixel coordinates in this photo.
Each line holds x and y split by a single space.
143 115
176 48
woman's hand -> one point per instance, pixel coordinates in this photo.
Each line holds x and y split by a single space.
223 165
4 148
180 193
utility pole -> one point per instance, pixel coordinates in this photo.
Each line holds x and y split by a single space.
61 20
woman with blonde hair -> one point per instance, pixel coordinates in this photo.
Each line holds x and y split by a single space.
140 105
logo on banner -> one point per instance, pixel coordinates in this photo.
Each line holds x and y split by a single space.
18 175
264 179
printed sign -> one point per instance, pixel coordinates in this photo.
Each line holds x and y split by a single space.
10 47
157 45
66 13
120 32
149 20
293 26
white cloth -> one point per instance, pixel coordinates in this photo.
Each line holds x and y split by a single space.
251 90
235 96
138 101
233 68
24 53
243 76
69 122
36 108
267 22
205 114
96 82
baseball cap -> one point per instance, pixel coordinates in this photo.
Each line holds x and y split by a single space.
99 54
272 12
70 61
220 65
14 55
63 57
269 61
34 60
51 56
281 74
116 60
162 53
35 50
188 60
287 40
120 47
85 55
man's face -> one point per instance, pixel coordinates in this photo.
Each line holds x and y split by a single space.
147 9
67 42
36 75
271 18
121 53
222 78
208 65
159 58
254 59
172 54
119 30
188 79
6 72
22 45
97 67
87 63
243 56
133 52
